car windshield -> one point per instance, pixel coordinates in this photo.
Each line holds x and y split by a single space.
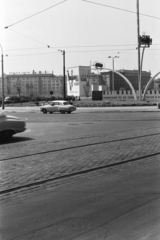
52 103
66 103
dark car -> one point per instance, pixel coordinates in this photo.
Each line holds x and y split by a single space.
10 125
8 100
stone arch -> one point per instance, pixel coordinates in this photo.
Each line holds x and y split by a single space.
126 79
148 84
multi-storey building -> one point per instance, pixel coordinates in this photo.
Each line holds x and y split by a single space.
42 83
33 84
131 75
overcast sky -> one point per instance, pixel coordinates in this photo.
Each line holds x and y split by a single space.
88 33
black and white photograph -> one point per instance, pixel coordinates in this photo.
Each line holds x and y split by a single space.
80 120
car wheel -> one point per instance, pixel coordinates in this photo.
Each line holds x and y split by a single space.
62 111
6 135
44 111
69 112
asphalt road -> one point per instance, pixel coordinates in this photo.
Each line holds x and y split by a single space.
87 109
84 121
82 176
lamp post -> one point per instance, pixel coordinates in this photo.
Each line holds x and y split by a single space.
113 70
138 42
64 76
2 78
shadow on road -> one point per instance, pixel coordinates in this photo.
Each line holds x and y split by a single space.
16 140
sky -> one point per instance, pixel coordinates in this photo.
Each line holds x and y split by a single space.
88 31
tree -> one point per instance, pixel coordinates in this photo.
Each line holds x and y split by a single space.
18 87
8 88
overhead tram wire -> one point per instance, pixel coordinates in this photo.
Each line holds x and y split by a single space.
22 49
29 38
81 51
85 46
34 14
91 46
31 54
121 9
57 47
122 51
71 47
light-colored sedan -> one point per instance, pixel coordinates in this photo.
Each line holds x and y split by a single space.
10 125
58 106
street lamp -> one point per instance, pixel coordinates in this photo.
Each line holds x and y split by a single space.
113 70
2 78
138 41
63 53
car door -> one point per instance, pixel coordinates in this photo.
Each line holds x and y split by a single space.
60 107
56 106
52 107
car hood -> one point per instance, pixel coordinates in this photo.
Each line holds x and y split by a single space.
4 116
12 117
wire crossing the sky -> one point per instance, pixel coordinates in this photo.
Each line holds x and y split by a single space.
35 14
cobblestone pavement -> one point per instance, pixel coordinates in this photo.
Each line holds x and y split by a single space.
41 160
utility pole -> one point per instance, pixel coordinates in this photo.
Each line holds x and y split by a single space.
2 78
64 76
138 41
113 74
113 70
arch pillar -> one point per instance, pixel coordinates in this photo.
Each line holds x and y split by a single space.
148 84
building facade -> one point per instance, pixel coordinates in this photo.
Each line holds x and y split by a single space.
33 84
131 75
80 82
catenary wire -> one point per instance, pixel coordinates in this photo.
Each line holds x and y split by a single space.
85 51
121 9
85 46
35 14
29 37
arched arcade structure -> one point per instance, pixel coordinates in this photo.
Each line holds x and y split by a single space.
126 79
148 84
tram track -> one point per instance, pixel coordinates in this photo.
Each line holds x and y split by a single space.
77 173
78 146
